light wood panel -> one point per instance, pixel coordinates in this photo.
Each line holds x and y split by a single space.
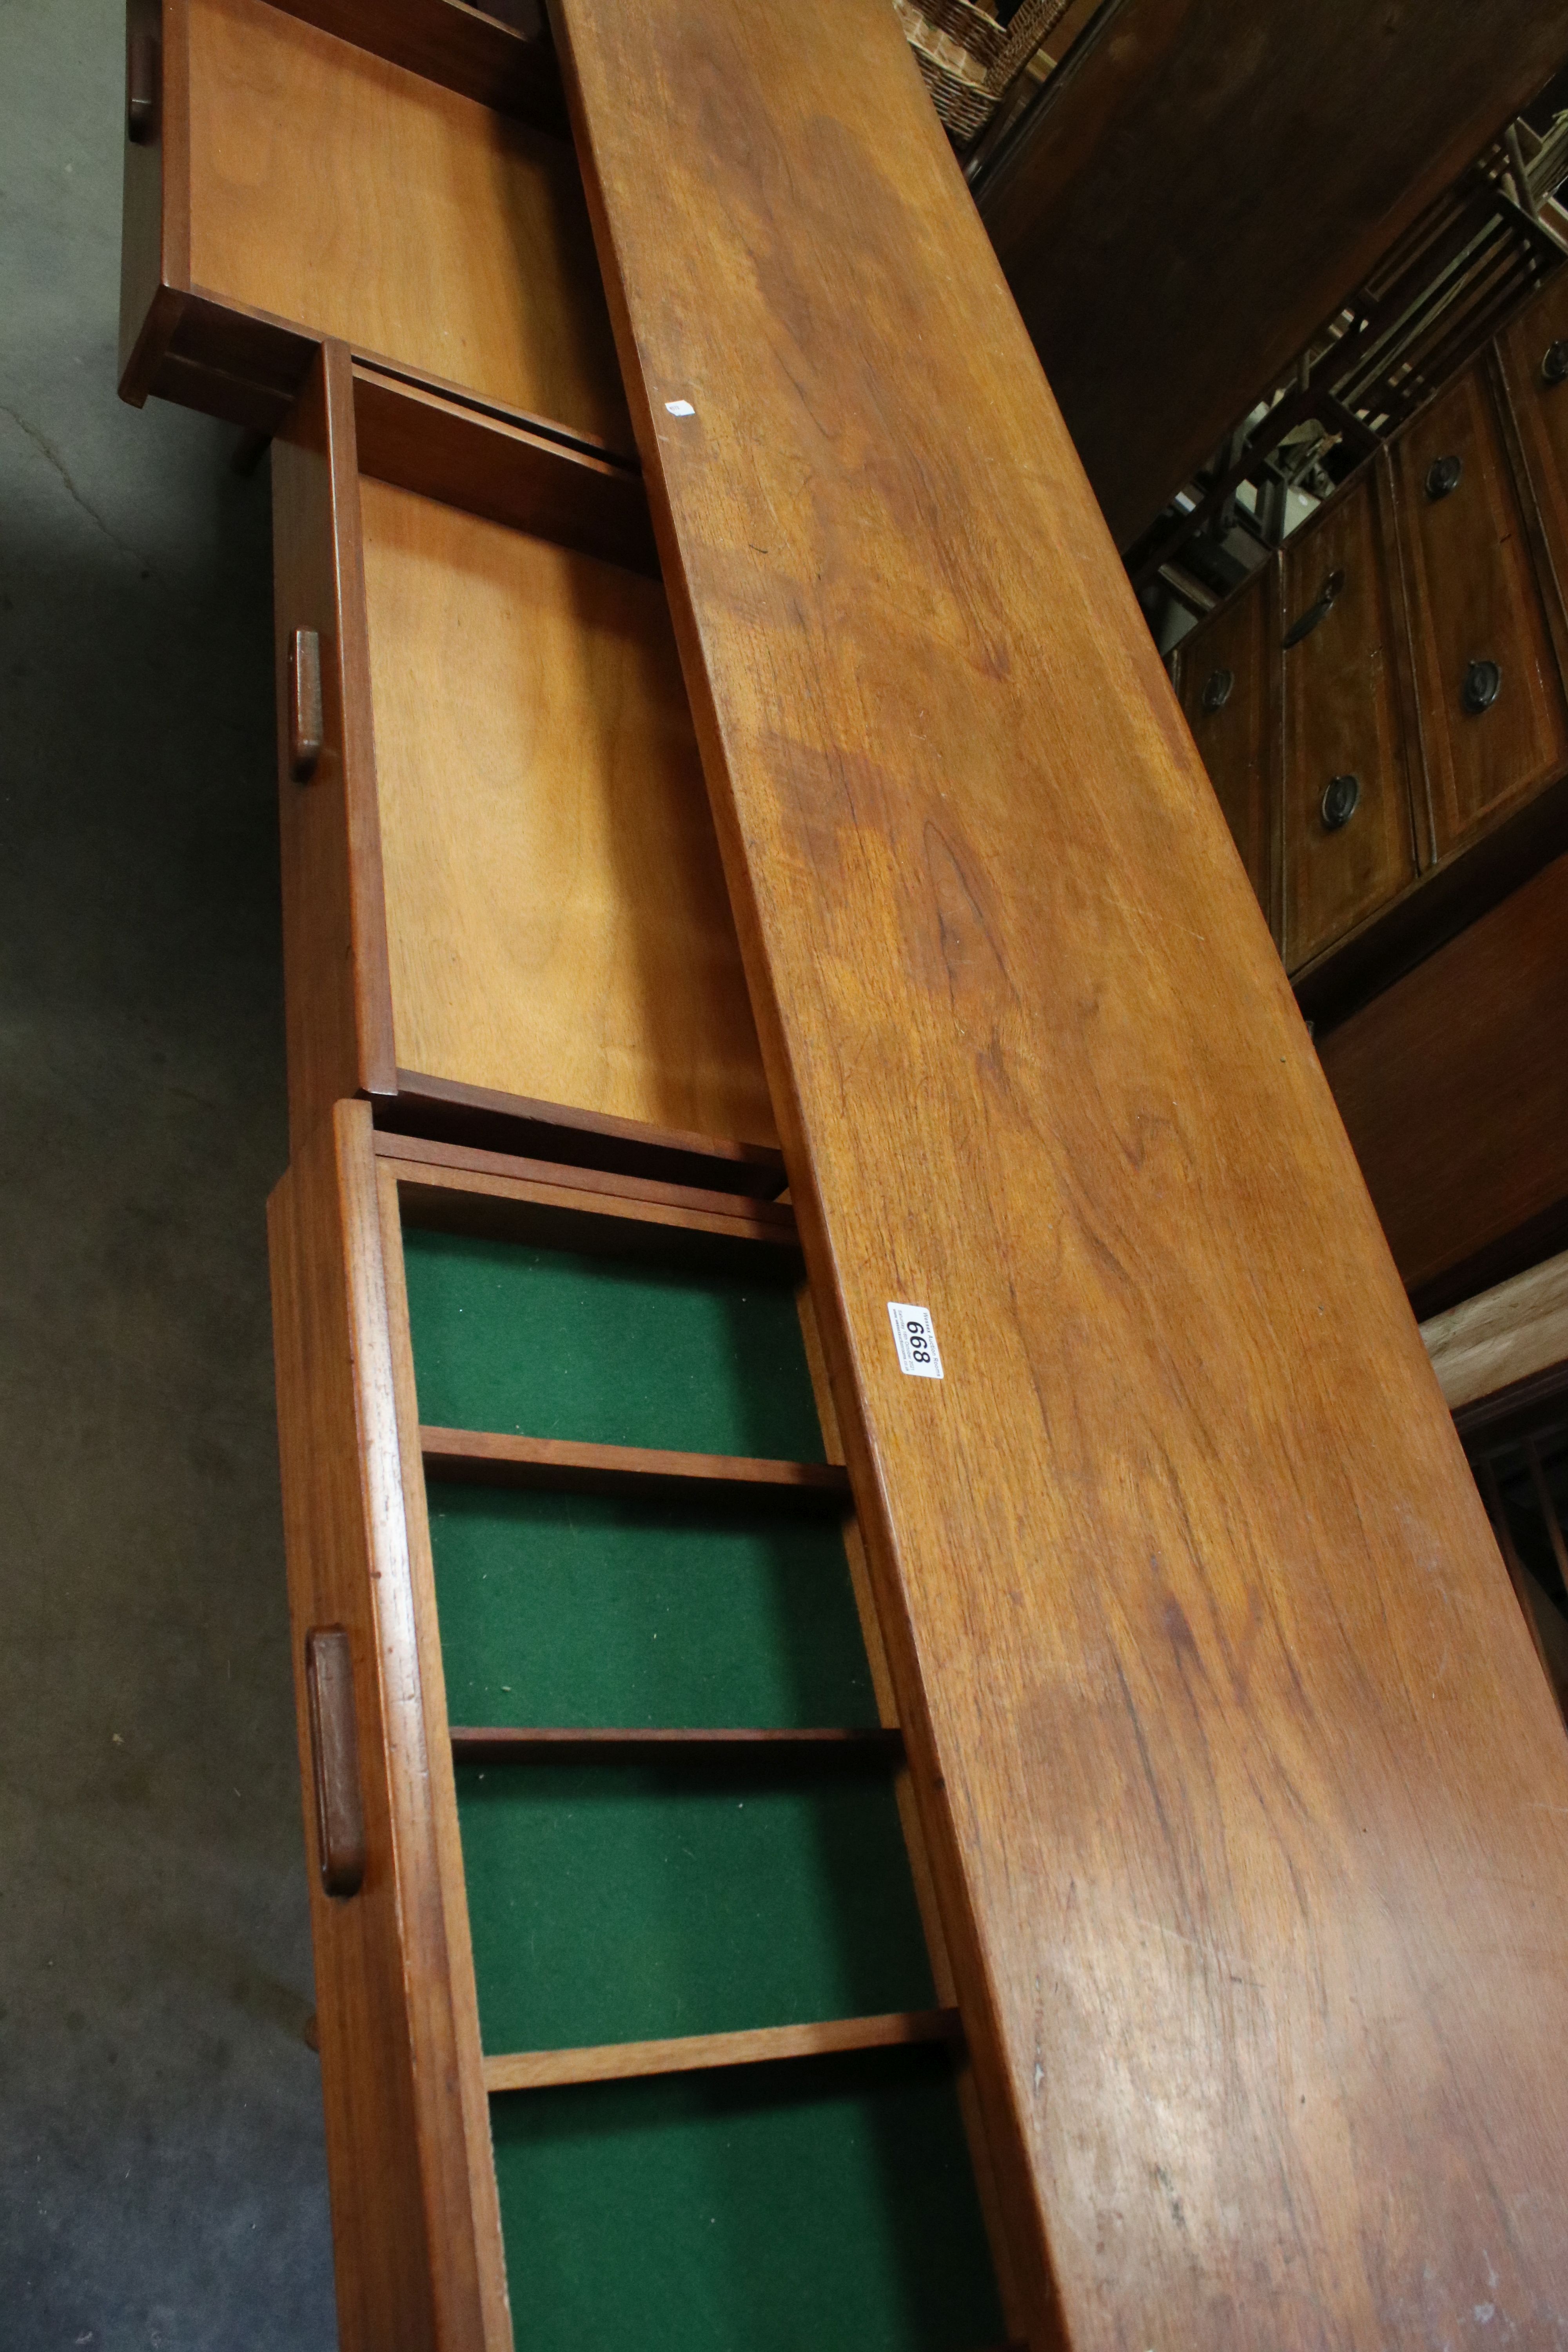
1505 1334
1227 1737
557 915
1476 599
351 197
1342 717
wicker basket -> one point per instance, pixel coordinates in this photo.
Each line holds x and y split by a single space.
969 61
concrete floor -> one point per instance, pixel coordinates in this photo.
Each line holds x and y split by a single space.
161 2176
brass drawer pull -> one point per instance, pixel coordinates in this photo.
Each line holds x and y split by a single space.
141 89
304 704
1329 595
1341 801
1443 477
334 1755
1483 684
1555 364
1218 687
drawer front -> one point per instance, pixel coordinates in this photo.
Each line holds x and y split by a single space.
1348 839
500 871
1491 698
1227 696
1535 355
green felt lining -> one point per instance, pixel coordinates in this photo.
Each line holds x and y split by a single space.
615 1902
610 1351
816 2206
587 1610
821 2206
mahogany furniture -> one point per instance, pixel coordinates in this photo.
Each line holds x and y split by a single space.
1184 204
951 1758
1383 706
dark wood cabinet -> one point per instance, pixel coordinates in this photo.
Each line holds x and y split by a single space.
1397 729
1348 840
1228 695
1534 356
1493 722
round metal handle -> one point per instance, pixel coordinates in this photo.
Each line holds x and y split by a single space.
1218 688
1555 365
1443 475
1340 801
1483 684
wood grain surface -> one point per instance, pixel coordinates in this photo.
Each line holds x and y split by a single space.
1454 1091
342 192
466 456
1188 164
336 992
1344 717
570 1137
1234 1756
492 1457
499 55
405 2230
613 2061
556 913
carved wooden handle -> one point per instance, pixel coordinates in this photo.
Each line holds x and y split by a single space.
304 704
141 88
334 1753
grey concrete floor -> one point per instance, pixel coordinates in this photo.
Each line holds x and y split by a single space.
162 2177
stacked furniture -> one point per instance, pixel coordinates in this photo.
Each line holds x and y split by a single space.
873 1549
1383 707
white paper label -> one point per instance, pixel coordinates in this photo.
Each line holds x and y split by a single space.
679 408
915 1340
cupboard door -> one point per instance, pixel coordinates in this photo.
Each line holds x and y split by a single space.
1226 694
1349 837
1491 699
1535 355
668 2035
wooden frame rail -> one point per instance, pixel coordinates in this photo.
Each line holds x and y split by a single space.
487 1457
535 2070
532 1744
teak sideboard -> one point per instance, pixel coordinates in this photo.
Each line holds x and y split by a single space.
913 1732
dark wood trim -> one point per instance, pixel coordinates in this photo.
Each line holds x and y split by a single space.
490 1458
470 457
1505 402
1388 508
524 1744
614 2062
1513 1412
510 67
449 1112
757 1218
